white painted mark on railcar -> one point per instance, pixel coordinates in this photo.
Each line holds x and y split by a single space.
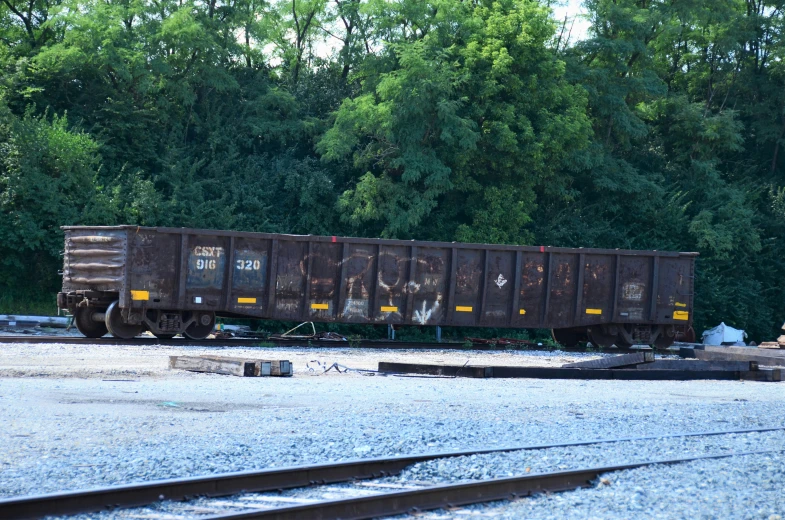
633 291
500 281
201 263
209 251
422 316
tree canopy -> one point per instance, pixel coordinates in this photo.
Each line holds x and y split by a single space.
662 128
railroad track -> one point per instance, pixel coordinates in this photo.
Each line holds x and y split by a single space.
255 342
347 488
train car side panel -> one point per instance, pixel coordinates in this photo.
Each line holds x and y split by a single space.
675 294
634 289
531 295
392 276
595 304
290 277
468 279
324 268
429 285
562 276
152 261
499 281
249 264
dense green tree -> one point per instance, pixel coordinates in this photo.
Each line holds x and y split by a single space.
47 179
470 105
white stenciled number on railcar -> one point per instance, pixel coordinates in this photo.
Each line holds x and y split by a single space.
201 263
216 252
249 265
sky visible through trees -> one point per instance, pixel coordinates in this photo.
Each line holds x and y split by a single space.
661 127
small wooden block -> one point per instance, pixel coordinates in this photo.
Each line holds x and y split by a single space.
227 366
766 374
234 366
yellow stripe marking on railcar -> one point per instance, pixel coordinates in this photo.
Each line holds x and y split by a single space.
386 308
679 304
140 295
246 300
320 306
681 315
461 308
593 311
522 311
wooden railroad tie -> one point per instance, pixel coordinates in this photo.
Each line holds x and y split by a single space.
745 354
623 360
233 366
646 371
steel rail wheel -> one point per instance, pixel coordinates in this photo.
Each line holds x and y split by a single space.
83 319
118 327
569 337
602 339
202 327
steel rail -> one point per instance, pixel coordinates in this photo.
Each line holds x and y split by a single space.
435 497
255 342
224 484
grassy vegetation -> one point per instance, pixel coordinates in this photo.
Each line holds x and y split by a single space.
29 305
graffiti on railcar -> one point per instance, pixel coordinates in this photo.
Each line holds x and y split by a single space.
430 285
393 265
325 265
359 271
634 272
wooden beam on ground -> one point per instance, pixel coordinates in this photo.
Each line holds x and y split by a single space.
683 364
623 360
435 370
234 366
747 350
765 374
228 366
577 373
750 354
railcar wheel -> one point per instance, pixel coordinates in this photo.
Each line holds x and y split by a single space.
665 338
569 337
118 327
202 327
663 342
83 319
600 338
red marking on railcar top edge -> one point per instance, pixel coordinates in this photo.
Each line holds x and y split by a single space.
542 249
335 238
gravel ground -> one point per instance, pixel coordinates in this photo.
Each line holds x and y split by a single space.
748 487
100 361
69 423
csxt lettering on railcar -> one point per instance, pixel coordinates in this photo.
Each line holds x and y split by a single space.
126 279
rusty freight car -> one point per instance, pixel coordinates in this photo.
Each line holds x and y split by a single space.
125 279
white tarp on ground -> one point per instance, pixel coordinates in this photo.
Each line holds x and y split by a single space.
724 335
